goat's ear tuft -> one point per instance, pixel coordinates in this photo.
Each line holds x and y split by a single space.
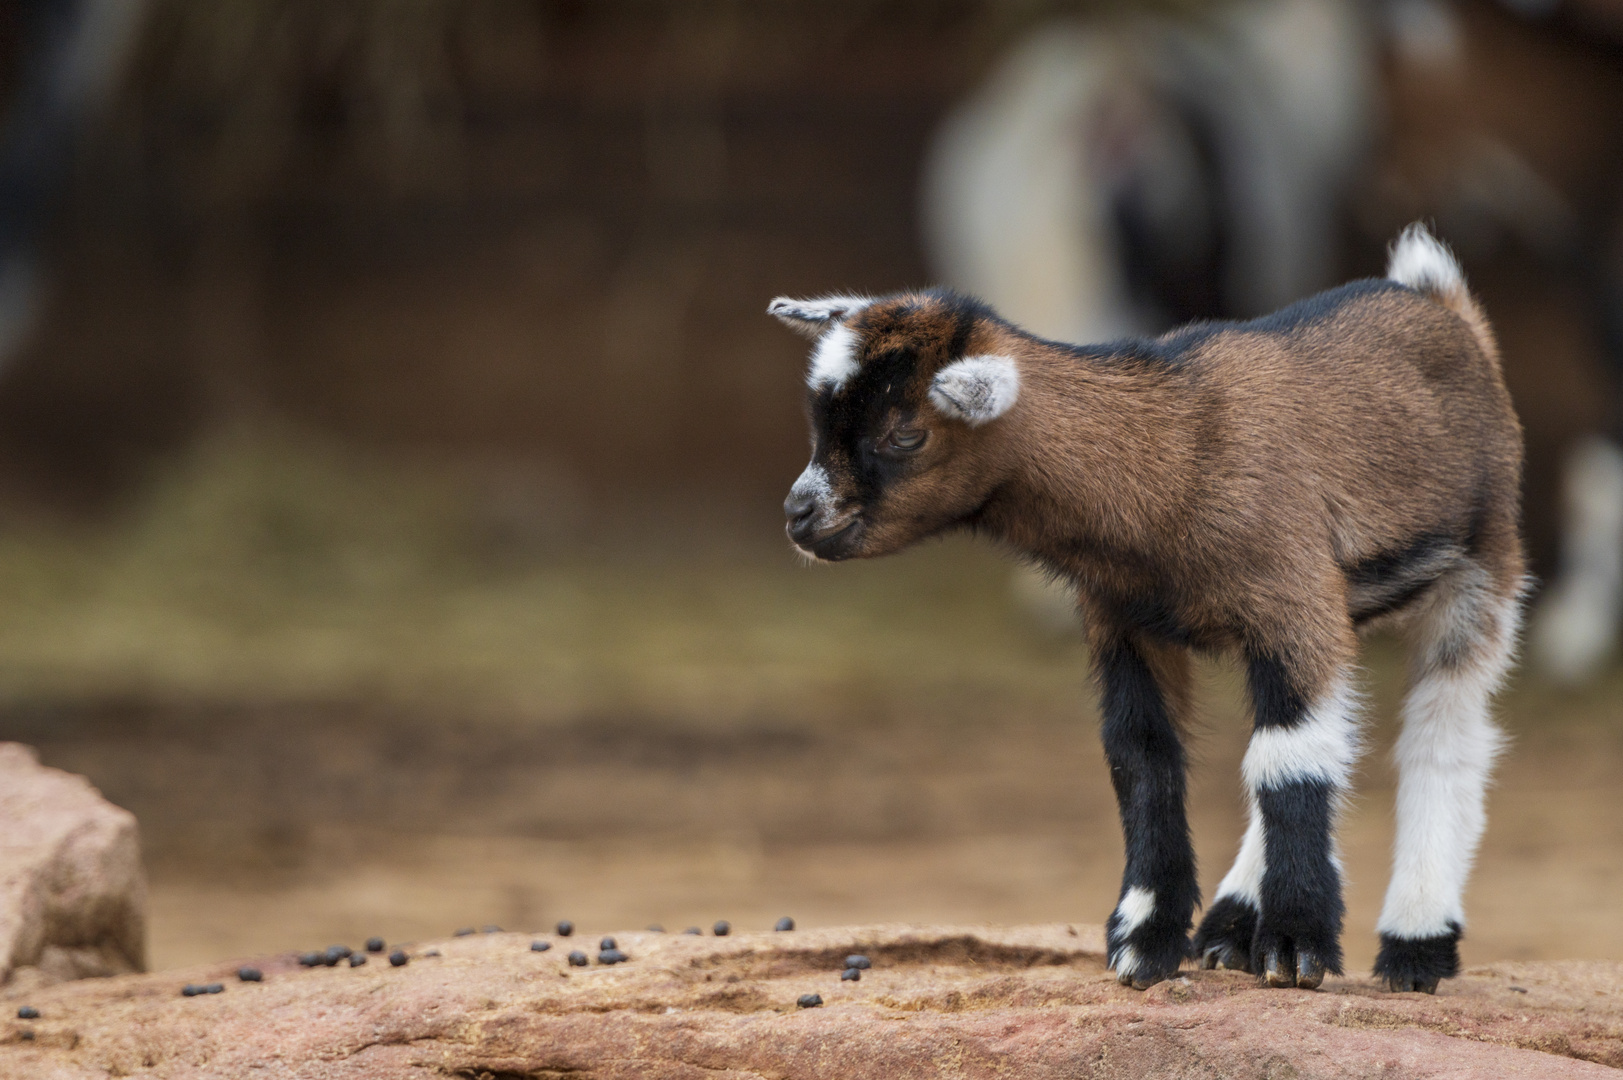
812 317
976 389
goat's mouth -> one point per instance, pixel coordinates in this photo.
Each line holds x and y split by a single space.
835 545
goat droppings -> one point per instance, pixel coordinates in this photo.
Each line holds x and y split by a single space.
357 959
722 928
28 1012
565 928
612 956
809 1001
785 923
857 960
540 946
249 974
577 958
374 944
608 943
398 958
851 975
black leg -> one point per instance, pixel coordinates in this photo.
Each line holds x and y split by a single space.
1148 932
1298 762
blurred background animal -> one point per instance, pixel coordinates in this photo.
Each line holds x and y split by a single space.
1126 175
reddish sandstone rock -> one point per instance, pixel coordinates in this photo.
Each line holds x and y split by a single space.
72 892
1031 1002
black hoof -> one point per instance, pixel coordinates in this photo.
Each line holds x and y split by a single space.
1150 954
1299 954
1224 937
1407 965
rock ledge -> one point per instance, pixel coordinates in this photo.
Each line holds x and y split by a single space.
1033 1002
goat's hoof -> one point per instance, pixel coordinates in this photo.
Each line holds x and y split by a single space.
1224 955
1286 967
1410 965
1224 937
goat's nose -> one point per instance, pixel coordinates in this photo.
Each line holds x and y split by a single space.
801 510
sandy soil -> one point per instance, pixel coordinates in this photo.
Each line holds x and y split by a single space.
288 827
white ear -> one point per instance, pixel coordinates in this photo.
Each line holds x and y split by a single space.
810 317
976 389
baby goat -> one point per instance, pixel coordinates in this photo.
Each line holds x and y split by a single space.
1270 487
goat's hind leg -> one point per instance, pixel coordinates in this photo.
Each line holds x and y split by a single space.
1463 639
1144 689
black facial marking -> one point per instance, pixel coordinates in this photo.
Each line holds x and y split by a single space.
850 421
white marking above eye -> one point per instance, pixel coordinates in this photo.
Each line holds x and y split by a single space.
833 359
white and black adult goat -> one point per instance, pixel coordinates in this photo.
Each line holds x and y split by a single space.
1270 488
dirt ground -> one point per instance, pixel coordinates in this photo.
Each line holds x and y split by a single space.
371 745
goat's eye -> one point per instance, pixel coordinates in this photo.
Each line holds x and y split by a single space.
911 439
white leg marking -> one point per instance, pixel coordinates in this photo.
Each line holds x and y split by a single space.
1126 961
1244 879
1444 756
1137 906
1323 746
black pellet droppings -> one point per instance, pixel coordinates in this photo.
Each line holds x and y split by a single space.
374 944
357 959
250 975
577 958
565 928
693 930
608 943
857 960
334 954
464 931
655 928
398 958
722 928
785 923
540 946
851 975
188 990
492 929
310 959
212 988
28 1012
809 1001
612 956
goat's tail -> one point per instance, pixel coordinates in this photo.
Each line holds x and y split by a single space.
1424 263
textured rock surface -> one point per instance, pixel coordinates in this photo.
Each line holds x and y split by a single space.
1033 1002
72 891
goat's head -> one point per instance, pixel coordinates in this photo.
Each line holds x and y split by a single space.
906 398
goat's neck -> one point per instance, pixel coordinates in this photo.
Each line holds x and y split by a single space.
1103 461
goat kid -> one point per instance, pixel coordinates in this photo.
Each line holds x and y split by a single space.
1269 488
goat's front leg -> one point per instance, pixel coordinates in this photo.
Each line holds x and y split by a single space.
1143 687
1296 770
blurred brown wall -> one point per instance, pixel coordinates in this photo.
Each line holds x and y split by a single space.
544 229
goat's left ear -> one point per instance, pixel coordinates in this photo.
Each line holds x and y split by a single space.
811 317
976 389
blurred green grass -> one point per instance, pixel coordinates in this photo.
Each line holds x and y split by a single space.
269 566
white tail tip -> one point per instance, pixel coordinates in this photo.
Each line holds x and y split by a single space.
1424 263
